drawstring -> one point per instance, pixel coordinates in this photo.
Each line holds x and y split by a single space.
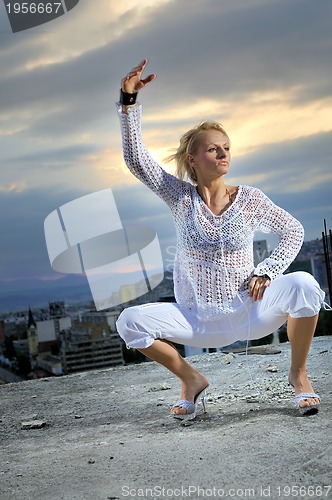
248 318
326 306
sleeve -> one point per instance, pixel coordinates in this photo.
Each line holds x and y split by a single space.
272 219
140 162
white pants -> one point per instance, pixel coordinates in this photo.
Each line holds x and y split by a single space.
296 294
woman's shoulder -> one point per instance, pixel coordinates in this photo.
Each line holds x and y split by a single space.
251 191
242 191
252 197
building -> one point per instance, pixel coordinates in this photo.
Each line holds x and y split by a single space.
32 341
92 343
127 293
260 251
88 354
60 345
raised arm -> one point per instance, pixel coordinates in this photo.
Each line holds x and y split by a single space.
136 156
133 82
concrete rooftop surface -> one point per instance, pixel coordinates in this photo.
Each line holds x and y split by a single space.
107 434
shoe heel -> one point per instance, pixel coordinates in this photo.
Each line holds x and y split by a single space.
203 400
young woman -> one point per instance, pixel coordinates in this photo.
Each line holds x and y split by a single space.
220 296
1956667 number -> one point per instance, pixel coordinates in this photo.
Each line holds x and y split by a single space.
33 8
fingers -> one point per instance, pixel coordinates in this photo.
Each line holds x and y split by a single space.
257 287
149 78
133 82
142 64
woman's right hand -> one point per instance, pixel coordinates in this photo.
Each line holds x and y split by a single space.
133 81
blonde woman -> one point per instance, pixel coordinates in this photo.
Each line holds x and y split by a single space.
220 296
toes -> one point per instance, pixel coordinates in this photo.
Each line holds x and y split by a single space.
309 402
178 410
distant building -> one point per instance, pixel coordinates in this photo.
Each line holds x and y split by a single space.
260 251
57 309
127 293
311 259
14 326
92 343
32 341
50 364
48 330
60 345
88 354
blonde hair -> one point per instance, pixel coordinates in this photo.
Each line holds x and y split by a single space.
188 146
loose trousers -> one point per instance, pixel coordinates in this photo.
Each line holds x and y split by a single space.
296 294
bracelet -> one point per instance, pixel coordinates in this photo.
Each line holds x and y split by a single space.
127 99
265 276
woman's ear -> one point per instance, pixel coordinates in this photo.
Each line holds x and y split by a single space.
190 160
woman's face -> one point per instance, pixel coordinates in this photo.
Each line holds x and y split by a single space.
212 157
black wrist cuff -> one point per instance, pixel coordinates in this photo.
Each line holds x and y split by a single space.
127 99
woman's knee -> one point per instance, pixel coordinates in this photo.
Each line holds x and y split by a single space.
305 294
128 320
301 280
132 329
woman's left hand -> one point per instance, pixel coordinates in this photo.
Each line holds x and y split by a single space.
133 81
257 286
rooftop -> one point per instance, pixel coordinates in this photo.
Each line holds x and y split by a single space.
107 434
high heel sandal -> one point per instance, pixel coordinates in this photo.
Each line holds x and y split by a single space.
310 409
191 408
303 396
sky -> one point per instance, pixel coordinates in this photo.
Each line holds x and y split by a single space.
260 67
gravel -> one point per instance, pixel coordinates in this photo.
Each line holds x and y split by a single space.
108 433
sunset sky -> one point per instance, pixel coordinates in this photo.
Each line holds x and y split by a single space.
260 67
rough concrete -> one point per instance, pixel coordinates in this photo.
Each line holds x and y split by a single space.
101 443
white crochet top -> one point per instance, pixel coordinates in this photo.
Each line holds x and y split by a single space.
214 260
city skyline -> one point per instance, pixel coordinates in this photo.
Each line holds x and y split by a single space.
262 69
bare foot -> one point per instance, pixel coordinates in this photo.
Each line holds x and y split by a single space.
189 390
299 380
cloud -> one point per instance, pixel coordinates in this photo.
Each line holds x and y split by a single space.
22 215
201 50
298 165
296 174
14 187
261 68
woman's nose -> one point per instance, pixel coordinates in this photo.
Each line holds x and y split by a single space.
221 153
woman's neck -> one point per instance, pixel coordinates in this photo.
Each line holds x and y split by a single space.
217 198
212 192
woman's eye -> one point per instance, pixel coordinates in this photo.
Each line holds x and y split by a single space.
212 149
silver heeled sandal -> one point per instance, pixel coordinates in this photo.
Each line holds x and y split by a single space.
307 410
191 408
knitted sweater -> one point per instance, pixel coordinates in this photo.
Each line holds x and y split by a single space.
214 262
